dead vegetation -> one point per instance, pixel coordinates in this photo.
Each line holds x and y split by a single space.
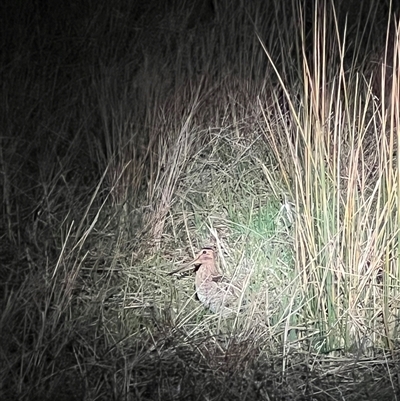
128 145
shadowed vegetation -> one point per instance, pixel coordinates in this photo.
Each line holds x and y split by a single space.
134 135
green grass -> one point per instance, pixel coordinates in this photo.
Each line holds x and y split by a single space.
269 132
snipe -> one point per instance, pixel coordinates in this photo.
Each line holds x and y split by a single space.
213 290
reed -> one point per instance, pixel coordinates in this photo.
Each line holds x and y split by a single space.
268 131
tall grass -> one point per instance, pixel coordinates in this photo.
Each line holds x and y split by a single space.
258 129
343 147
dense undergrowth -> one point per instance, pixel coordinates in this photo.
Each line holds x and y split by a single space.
134 135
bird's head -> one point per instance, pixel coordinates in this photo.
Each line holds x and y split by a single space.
206 256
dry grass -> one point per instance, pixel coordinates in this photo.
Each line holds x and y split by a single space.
258 130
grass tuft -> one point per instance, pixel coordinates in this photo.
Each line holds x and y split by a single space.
267 131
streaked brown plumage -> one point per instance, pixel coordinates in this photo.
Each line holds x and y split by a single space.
213 290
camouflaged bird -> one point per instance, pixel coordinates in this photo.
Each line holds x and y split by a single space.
213 290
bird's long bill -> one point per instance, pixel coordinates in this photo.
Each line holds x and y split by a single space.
190 266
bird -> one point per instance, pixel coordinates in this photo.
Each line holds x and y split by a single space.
214 291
